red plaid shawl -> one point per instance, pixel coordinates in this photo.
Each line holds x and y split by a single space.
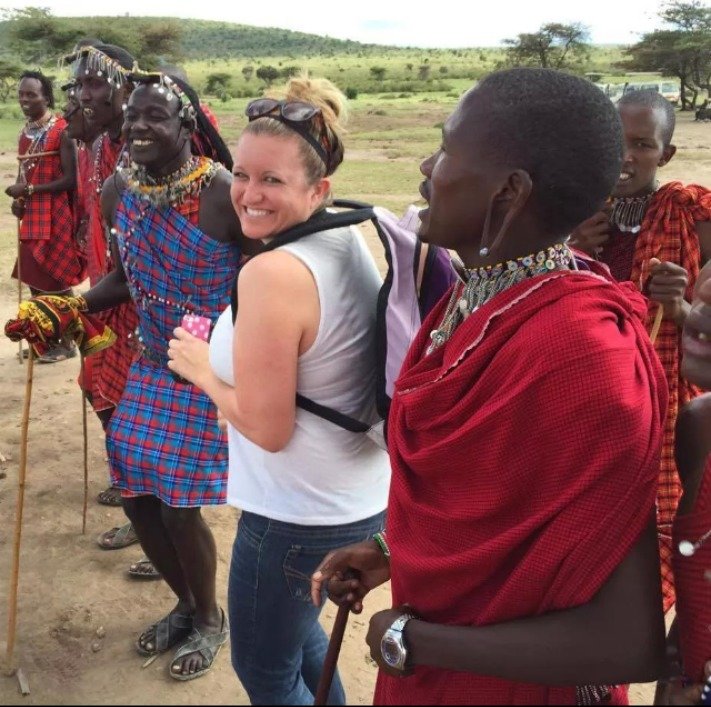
525 456
105 373
669 234
48 223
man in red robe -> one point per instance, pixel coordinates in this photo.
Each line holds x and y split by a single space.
525 429
43 195
657 238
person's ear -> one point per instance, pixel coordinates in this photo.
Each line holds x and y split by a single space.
667 154
512 195
321 190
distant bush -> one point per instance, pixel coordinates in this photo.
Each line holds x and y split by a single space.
217 82
351 93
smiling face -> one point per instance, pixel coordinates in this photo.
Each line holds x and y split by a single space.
32 100
153 129
644 150
696 339
270 189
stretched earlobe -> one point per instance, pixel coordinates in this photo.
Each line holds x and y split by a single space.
522 191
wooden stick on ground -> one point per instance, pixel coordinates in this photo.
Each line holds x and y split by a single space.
15 572
86 447
334 650
19 286
657 324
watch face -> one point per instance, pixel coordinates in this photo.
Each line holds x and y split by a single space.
391 651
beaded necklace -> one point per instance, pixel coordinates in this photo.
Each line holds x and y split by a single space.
41 124
175 188
35 131
627 214
483 284
193 177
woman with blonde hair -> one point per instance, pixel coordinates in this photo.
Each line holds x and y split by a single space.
306 324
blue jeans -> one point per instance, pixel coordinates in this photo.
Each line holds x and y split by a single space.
278 645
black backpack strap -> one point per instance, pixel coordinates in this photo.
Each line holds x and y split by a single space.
324 222
337 418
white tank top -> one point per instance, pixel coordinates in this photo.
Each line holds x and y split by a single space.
325 475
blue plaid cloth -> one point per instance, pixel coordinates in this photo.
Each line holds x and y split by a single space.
163 437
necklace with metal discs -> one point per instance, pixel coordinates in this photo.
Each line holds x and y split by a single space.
483 284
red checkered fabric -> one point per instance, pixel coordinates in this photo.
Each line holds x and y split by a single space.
105 373
693 588
669 234
47 227
105 158
525 457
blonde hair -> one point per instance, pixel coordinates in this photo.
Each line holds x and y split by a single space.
329 124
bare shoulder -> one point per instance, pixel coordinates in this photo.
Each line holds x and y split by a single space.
111 195
276 271
217 215
218 191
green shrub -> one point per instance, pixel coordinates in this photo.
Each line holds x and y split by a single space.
351 93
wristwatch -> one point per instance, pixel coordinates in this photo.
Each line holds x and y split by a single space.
392 644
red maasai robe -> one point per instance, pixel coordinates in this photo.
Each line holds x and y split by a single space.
84 173
692 586
525 457
669 234
50 260
105 372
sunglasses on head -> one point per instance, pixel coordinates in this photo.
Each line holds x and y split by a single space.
296 111
291 114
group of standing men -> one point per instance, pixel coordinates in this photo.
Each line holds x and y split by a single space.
64 160
657 238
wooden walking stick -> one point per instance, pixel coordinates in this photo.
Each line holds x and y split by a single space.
334 650
657 324
19 283
86 446
15 572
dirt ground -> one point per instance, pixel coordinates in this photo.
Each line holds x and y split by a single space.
79 612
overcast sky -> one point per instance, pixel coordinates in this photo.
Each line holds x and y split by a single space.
443 23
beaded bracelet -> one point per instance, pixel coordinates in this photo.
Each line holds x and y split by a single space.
382 543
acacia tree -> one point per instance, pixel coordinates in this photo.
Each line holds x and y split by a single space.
268 74
554 46
684 51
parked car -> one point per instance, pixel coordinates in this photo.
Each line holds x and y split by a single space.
669 89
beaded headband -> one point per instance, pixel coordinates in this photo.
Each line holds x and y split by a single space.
165 85
102 64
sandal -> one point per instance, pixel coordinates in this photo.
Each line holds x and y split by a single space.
207 646
110 497
117 538
144 569
167 632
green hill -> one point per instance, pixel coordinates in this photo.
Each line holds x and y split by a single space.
178 38
203 39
